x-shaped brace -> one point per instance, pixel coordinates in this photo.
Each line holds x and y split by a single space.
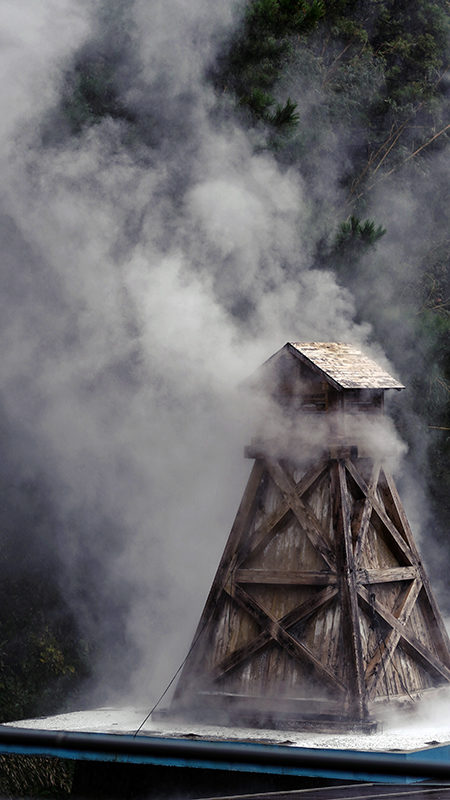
277 630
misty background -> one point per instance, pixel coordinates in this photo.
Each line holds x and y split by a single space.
185 187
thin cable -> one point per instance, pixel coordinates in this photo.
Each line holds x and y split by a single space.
196 638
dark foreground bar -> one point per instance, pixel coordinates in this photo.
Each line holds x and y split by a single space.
351 792
240 756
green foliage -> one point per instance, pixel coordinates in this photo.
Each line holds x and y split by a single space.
354 231
432 384
353 240
412 39
259 102
379 67
349 29
255 60
283 17
284 116
42 657
91 94
35 776
433 333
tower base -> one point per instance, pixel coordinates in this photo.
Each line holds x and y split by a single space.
211 711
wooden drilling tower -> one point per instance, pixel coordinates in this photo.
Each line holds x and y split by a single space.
321 607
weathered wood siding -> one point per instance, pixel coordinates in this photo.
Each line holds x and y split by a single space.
320 597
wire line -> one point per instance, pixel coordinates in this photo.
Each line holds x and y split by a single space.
196 638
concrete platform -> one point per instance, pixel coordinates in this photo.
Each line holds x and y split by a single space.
425 729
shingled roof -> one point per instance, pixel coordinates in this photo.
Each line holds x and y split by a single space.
343 365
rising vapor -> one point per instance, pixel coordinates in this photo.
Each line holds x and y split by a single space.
150 262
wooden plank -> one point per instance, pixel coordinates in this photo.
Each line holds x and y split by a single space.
240 526
267 528
386 529
301 612
362 524
386 648
265 532
281 577
293 647
418 651
358 511
304 515
311 476
395 508
434 621
349 600
387 575
393 502
314 603
406 697
428 659
247 508
393 536
284 707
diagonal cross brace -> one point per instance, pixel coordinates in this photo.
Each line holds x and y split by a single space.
268 527
420 652
363 521
388 526
386 649
282 637
391 497
299 613
305 517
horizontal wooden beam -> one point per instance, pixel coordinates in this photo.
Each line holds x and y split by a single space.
287 706
386 575
283 577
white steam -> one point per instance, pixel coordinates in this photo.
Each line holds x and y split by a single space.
123 262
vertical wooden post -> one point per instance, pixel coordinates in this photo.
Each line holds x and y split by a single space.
349 599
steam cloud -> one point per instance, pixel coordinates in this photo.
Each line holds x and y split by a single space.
145 273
